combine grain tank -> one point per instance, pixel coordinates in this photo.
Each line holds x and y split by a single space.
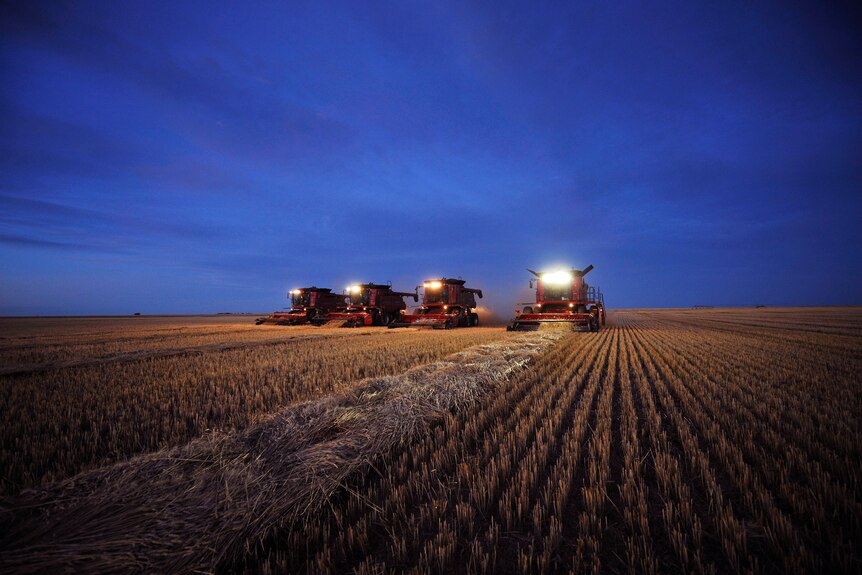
562 296
446 303
369 304
307 305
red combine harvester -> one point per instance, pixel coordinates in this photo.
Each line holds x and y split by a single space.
446 303
370 304
307 305
561 297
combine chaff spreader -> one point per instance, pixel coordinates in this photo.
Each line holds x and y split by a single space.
369 304
446 303
308 305
561 297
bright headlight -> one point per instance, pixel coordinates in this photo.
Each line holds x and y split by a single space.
557 278
355 289
295 291
433 285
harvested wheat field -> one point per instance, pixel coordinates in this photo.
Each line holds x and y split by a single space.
717 441
87 392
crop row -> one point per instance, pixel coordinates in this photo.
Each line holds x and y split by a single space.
660 444
46 351
58 422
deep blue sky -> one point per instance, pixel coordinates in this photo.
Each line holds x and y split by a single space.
186 157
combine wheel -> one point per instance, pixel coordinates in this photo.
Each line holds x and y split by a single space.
474 320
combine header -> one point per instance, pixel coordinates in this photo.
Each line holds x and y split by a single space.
370 304
561 297
307 306
446 303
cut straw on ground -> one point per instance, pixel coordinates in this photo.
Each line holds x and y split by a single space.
193 508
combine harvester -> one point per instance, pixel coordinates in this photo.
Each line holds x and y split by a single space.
446 303
307 306
561 297
369 304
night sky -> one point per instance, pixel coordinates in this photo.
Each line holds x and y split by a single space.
186 157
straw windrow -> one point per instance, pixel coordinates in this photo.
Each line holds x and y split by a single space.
192 508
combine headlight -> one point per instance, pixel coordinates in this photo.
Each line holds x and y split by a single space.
557 278
433 285
295 291
354 289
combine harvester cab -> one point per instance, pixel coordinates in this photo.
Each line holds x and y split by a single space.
307 306
562 297
446 303
370 304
